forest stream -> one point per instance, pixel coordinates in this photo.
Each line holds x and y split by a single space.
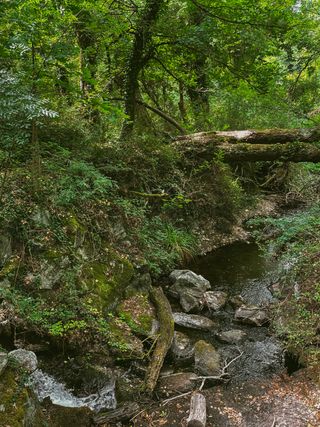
265 386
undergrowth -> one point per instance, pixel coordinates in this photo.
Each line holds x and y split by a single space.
295 241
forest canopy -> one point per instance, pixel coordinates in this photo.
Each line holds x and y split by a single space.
158 65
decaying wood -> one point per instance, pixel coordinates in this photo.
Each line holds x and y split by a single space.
164 341
267 136
198 413
123 413
294 145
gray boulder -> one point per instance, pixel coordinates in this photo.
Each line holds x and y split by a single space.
234 336
206 358
189 288
25 359
3 361
193 321
251 316
215 300
181 348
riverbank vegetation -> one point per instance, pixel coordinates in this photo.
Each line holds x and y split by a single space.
96 202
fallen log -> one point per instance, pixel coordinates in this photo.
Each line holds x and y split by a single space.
267 136
198 413
290 152
294 145
124 412
164 340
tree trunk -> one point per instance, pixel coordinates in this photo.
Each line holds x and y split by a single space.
292 145
138 58
267 136
166 329
198 93
198 413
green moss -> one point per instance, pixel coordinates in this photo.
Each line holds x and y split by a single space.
121 340
14 398
138 313
74 225
106 281
10 267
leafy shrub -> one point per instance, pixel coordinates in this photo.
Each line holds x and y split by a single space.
82 182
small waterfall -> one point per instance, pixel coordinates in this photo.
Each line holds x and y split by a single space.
45 385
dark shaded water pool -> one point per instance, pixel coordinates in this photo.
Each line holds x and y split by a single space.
232 266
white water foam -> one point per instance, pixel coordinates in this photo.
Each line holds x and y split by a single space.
44 385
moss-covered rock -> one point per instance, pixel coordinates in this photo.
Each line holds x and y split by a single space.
105 281
17 405
138 313
123 343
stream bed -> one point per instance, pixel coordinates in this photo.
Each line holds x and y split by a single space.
260 391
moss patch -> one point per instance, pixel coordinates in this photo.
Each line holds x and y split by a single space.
122 341
14 398
138 313
106 281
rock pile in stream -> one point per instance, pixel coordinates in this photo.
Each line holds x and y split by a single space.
209 340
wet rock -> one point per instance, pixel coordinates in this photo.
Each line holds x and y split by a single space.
193 321
234 336
181 348
215 300
177 383
3 361
15 401
256 292
24 358
251 316
189 288
260 359
124 412
5 248
206 358
237 301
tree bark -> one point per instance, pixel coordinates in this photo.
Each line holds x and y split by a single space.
166 329
294 145
138 58
267 136
165 116
198 413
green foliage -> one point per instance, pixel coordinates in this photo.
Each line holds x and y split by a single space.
295 241
165 244
19 107
82 182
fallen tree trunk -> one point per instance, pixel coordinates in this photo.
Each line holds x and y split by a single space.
267 136
166 329
198 414
123 413
293 145
291 152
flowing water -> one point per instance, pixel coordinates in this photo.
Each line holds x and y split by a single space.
45 386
